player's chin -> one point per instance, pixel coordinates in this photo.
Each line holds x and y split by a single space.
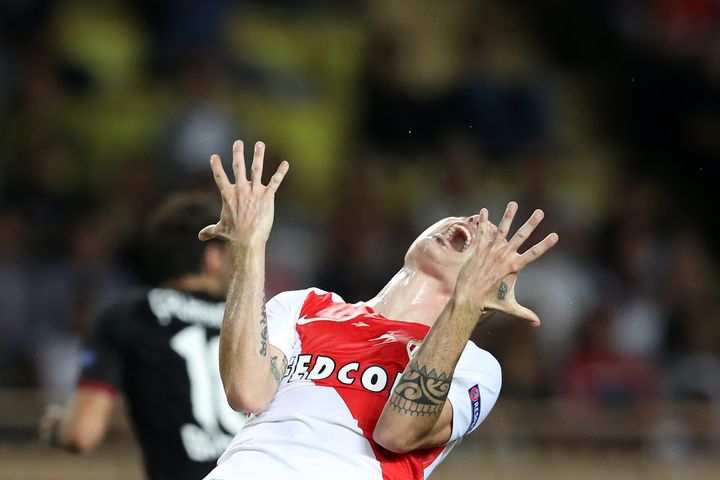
436 260
422 255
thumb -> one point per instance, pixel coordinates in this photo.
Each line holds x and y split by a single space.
526 314
208 233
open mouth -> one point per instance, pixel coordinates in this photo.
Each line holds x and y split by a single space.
457 237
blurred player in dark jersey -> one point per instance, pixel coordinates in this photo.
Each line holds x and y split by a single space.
159 347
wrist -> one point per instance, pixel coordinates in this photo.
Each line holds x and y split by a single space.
470 310
247 258
240 249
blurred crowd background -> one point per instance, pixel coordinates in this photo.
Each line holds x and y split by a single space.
606 114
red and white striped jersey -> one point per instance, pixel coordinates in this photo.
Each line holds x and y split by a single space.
343 360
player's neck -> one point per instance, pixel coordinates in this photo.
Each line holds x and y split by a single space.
411 296
197 283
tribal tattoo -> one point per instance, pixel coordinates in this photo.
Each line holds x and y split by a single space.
278 373
263 330
502 291
420 392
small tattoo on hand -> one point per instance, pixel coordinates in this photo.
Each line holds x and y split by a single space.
502 291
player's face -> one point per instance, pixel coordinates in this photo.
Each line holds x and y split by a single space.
443 248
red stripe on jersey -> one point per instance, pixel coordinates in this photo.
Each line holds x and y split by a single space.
98 385
359 337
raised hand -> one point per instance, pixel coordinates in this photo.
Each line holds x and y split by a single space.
248 206
487 280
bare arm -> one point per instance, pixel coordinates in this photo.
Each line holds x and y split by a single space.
82 425
418 414
250 367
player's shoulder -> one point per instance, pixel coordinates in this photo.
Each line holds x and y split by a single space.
476 358
114 314
165 305
299 297
123 304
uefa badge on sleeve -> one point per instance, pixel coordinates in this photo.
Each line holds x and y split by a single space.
474 394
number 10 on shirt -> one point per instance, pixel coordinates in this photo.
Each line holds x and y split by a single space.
207 396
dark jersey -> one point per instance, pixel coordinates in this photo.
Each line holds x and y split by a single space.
160 348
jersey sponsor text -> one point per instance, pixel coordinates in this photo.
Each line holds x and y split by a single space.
372 378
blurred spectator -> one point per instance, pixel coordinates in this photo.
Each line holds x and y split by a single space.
294 251
632 256
687 433
560 287
507 115
462 183
71 289
632 286
561 291
694 368
359 251
204 125
17 298
48 190
179 29
693 377
690 275
598 374
129 199
392 118
517 347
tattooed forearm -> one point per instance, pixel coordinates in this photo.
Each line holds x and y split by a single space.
278 373
502 291
420 392
263 330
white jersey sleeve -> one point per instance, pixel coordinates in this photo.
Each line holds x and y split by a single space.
474 389
283 311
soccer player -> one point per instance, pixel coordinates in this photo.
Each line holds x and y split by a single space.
377 389
159 346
